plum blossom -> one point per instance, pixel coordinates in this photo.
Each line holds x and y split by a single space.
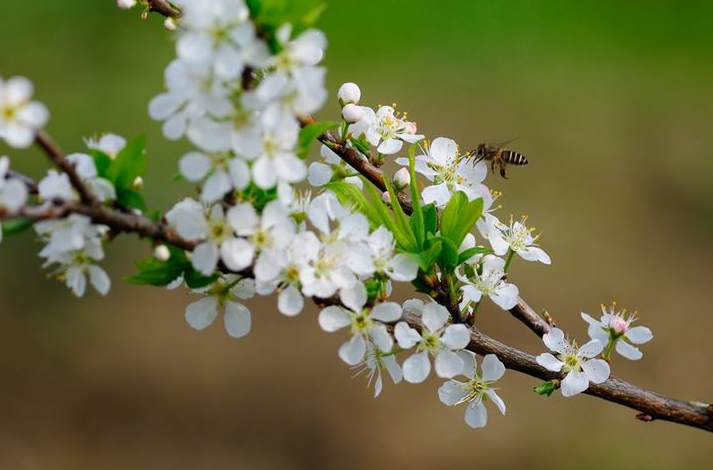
518 238
20 117
490 282
576 363
374 362
385 129
223 294
437 340
85 167
332 168
449 172
615 331
476 390
399 267
110 144
364 323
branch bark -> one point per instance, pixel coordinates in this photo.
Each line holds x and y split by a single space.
164 8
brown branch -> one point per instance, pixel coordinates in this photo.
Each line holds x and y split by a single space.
56 156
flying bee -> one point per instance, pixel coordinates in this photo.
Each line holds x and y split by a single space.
497 156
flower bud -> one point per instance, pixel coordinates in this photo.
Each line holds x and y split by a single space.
402 178
126 4
618 325
352 113
138 183
349 93
410 127
386 198
169 23
161 253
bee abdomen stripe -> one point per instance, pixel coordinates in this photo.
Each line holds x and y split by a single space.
514 158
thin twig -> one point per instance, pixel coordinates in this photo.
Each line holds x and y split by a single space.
164 8
56 156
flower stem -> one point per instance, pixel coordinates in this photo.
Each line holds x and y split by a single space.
609 349
509 259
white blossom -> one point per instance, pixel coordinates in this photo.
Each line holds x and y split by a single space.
364 323
576 363
518 238
110 144
332 168
397 266
490 282
223 294
385 129
349 93
20 117
437 340
374 362
449 172
476 390
613 329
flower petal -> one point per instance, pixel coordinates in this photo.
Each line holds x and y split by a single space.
549 362
492 368
574 383
333 318
352 352
237 319
597 370
416 368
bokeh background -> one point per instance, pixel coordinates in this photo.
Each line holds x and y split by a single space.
612 102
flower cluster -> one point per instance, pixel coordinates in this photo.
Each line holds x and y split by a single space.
238 99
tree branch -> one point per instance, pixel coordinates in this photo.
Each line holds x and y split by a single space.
56 156
164 8
650 405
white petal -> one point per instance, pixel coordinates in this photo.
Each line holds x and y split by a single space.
390 146
405 335
448 364
492 368
354 298
243 218
476 416
319 174
639 335
591 348
451 393
333 318
205 258
99 279
416 368
194 166
628 351
216 186
495 398
403 268
237 319
597 370
506 296
574 383
352 352
434 316
237 253
456 336
386 312
550 362
239 173
381 337
202 313
555 340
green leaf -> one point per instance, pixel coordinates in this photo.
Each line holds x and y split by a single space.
384 216
130 198
449 217
130 163
430 219
102 161
271 14
416 221
467 218
196 280
15 226
160 273
427 257
545 389
361 146
310 133
401 218
470 252
448 259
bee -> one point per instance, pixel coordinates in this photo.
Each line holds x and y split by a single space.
497 156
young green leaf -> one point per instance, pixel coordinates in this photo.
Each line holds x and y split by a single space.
310 133
385 217
416 221
350 194
130 163
450 215
430 219
15 226
545 388
401 218
470 252
427 257
467 217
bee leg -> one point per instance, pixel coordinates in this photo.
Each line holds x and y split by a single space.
492 166
502 171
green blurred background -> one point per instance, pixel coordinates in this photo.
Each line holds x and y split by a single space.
613 102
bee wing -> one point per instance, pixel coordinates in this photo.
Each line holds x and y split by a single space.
500 144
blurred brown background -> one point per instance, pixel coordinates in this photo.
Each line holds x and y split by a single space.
613 104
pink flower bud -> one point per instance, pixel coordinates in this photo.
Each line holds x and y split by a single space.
410 127
385 197
618 325
402 178
126 4
349 93
352 113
